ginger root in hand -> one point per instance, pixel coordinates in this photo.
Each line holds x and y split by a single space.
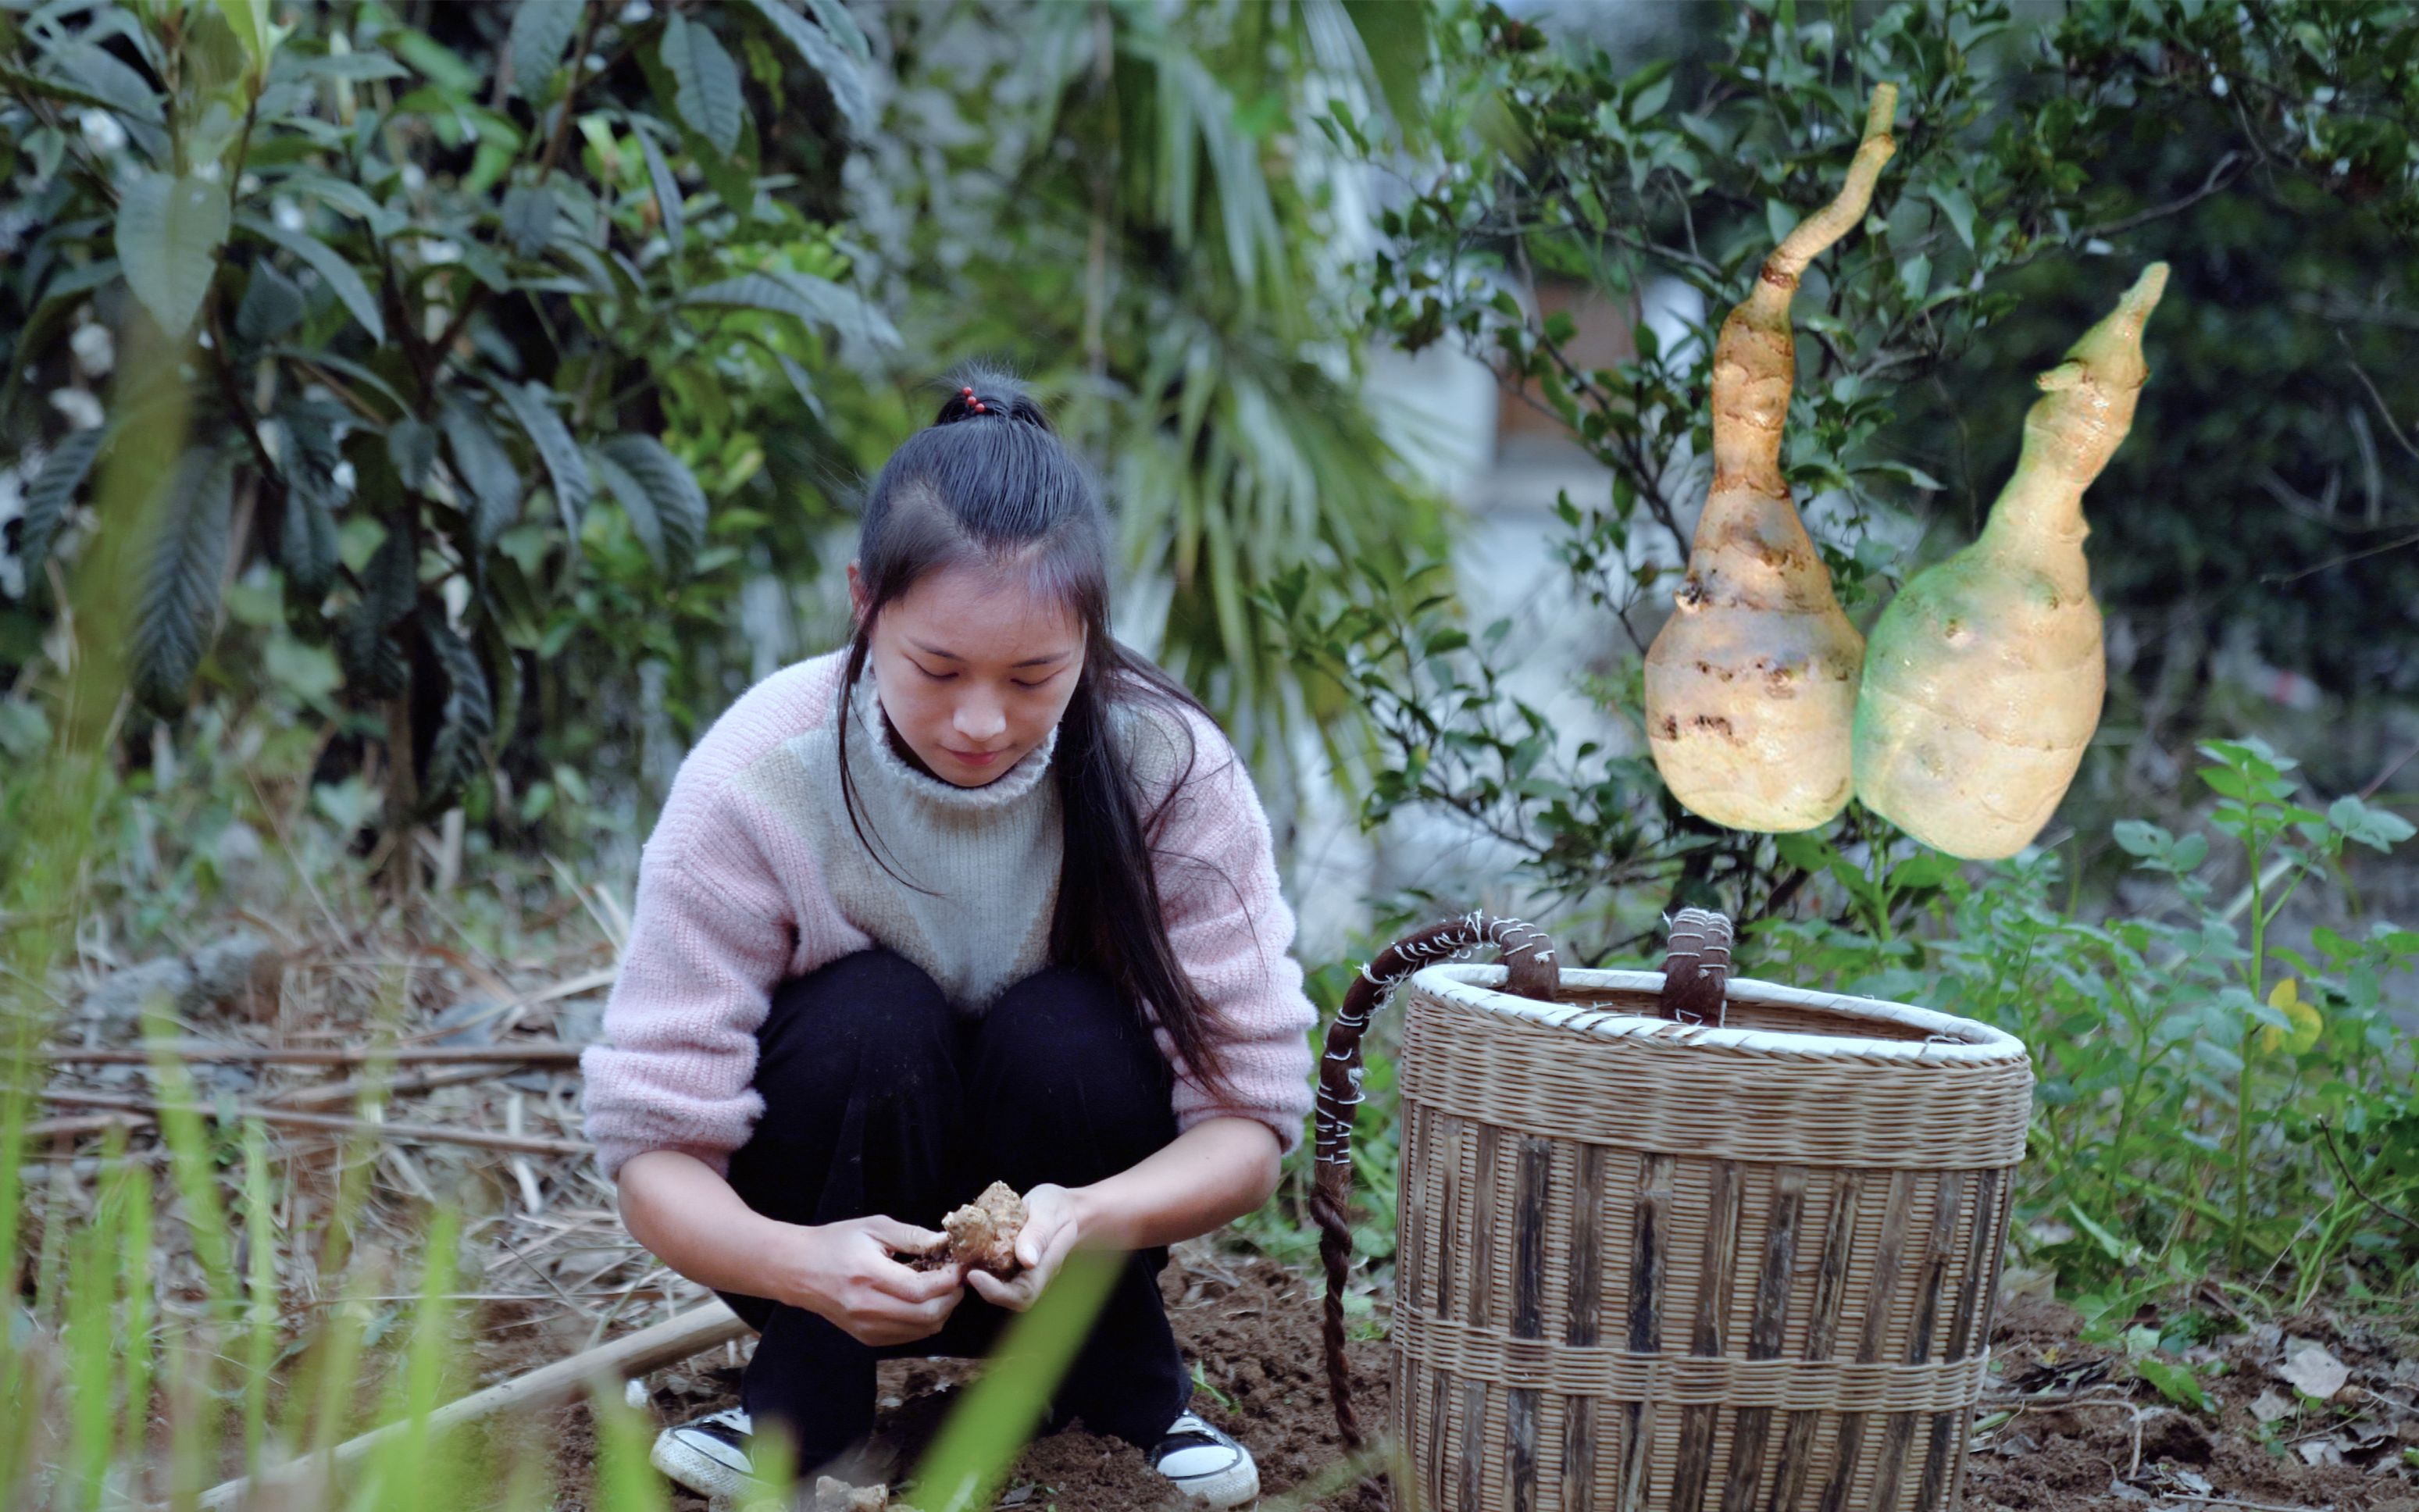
982 1234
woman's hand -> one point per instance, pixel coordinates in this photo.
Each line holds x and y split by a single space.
844 1271
1054 1227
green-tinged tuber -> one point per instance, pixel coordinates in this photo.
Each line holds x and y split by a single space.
1752 685
1987 673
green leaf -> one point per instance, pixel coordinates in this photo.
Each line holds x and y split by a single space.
667 508
532 409
250 20
1780 219
667 188
24 730
2176 1382
834 18
169 230
2137 837
1959 207
707 80
51 491
177 600
391 582
307 543
813 300
329 264
1927 869
413 445
485 469
529 218
823 53
354 67
1650 101
2378 829
2121 1251
468 719
541 30
272 304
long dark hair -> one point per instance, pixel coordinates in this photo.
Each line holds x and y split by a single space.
988 483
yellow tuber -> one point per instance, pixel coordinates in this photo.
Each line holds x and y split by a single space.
981 1235
1752 685
1987 673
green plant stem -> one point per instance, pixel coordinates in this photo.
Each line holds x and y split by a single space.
2250 1043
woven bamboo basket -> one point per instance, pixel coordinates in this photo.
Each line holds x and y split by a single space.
1674 1242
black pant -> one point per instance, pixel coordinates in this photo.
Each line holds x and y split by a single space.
878 1099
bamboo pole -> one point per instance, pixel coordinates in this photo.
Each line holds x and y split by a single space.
666 1343
527 1052
420 1134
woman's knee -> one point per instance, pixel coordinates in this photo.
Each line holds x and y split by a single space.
868 1023
1064 1045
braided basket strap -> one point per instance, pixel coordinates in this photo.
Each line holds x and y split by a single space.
1697 967
1530 971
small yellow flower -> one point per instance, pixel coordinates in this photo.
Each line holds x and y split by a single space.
2286 995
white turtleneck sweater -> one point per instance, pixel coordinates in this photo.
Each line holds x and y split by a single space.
988 855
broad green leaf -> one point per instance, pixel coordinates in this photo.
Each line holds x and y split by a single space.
2176 1382
813 300
485 467
529 218
834 18
51 491
307 545
329 264
169 230
541 30
1959 207
272 304
356 68
413 445
667 508
708 94
16 81
2379 828
826 57
249 18
468 718
1780 219
177 600
533 410
667 188
24 730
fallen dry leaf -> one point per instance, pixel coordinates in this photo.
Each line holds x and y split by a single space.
2313 1368
2272 1406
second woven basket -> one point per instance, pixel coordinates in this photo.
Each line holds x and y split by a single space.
1674 1242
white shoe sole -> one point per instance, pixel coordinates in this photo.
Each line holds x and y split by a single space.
699 1471
1228 1487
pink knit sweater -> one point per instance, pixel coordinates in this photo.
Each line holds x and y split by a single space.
731 901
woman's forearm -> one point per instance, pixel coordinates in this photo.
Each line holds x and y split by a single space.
1211 1175
689 1217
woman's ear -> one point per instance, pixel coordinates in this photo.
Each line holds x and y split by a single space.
855 593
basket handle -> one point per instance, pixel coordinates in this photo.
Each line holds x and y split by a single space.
1530 971
1697 967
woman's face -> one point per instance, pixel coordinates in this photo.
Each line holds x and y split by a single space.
974 670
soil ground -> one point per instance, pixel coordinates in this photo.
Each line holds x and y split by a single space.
2065 1427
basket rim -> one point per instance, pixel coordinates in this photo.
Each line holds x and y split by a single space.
1949 1038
